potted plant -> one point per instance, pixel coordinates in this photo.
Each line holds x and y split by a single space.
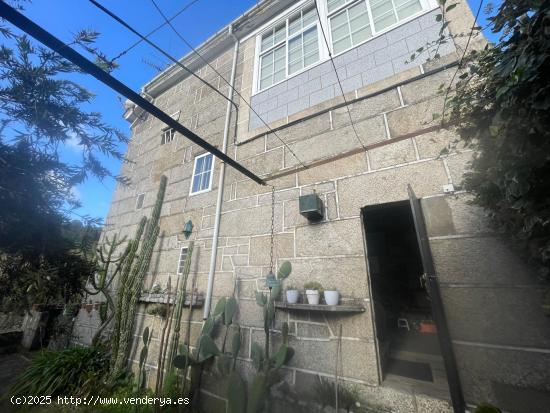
331 296
313 292
292 295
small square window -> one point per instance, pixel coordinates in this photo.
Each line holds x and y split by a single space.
181 261
139 201
202 173
167 136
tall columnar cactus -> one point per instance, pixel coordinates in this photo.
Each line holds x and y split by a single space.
131 281
253 400
178 312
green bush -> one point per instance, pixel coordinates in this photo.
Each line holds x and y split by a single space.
75 371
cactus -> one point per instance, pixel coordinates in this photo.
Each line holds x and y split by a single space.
267 366
130 283
140 384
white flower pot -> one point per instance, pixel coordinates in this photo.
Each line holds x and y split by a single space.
313 297
292 296
332 297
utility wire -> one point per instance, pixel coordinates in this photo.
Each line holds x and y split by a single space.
156 29
461 61
167 21
338 76
159 49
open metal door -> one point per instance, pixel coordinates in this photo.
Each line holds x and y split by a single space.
434 293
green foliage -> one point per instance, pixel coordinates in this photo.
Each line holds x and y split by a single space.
500 104
132 268
313 285
487 408
75 371
159 310
141 379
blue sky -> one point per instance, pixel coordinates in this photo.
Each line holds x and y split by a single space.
197 23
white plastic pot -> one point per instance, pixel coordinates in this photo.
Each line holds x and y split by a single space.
332 297
313 297
292 296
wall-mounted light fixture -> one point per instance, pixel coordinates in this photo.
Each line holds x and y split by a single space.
187 229
311 207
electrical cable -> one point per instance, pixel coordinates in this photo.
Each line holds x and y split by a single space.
118 56
225 80
337 76
159 49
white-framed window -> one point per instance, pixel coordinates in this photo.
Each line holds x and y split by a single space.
354 21
291 43
289 46
139 201
167 135
203 171
181 260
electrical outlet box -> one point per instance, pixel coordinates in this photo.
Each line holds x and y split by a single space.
311 207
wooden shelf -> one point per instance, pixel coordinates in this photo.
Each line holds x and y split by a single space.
341 308
160 298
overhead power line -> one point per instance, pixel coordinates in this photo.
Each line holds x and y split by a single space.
43 36
156 29
337 76
159 49
167 21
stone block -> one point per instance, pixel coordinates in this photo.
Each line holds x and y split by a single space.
251 148
427 87
350 165
437 143
264 163
452 215
251 221
403 32
426 178
297 105
394 154
482 369
349 274
309 87
298 131
378 72
390 52
496 315
260 247
353 325
321 95
342 237
415 117
459 165
309 330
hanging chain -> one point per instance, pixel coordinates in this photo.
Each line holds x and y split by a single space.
272 229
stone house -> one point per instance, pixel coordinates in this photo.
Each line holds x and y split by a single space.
291 126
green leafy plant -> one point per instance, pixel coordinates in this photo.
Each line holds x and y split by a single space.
291 287
159 310
313 285
141 379
75 371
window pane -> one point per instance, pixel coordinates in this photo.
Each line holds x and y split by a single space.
406 8
309 16
342 44
383 14
208 162
294 23
199 168
311 46
196 183
334 4
205 180
280 33
267 40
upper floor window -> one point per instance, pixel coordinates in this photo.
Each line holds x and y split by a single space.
202 173
353 22
167 135
289 46
294 43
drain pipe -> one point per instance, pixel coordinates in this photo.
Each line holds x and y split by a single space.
210 287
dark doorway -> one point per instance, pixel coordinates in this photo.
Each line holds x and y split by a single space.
407 338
